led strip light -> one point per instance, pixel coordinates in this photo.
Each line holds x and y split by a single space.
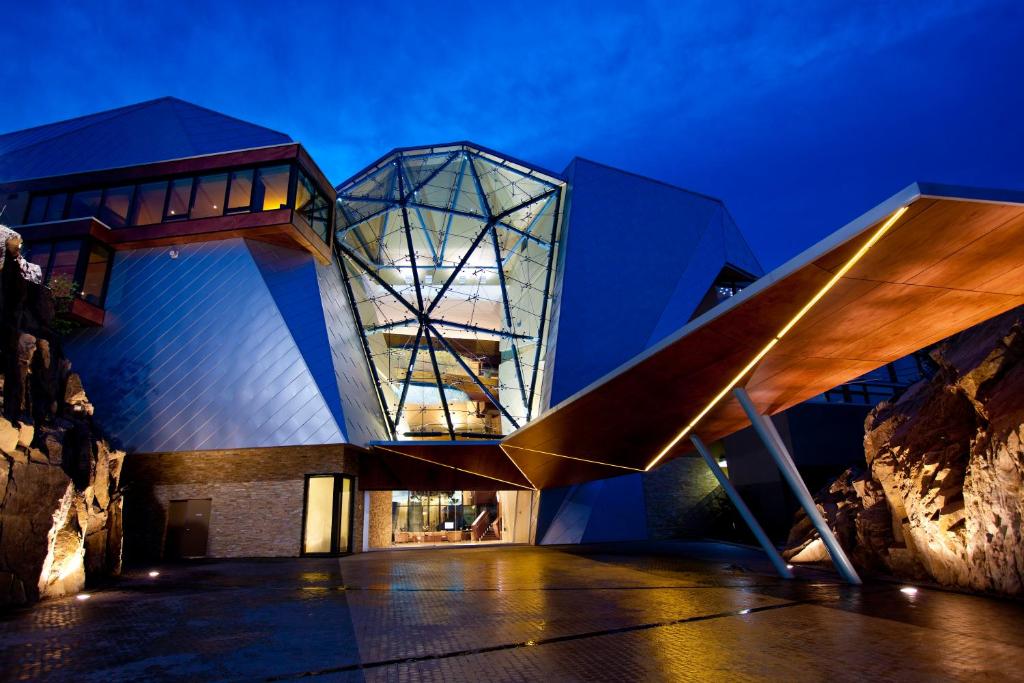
768 347
459 469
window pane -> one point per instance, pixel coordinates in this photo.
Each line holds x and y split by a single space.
177 203
345 515
320 216
241 191
304 194
39 254
271 189
319 514
95 274
311 206
210 191
116 202
149 203
85 204
65 259
55 207
37 209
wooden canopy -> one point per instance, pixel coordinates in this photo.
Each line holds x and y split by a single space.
929 262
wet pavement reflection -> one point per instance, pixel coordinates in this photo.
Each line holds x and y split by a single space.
654 611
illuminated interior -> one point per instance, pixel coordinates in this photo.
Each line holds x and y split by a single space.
459 517
448 254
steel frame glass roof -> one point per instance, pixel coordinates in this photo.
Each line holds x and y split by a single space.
448 254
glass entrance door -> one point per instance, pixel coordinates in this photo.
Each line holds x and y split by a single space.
327 517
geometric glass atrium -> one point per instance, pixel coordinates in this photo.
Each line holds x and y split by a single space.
448 255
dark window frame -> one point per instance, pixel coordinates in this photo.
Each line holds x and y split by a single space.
335 551
81 264
295 167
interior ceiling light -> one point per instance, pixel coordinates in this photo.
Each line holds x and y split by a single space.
877 235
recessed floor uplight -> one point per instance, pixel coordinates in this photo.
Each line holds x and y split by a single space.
789 566
154 574
82 596
744 611
908 590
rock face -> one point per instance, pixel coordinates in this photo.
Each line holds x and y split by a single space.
60 496
944 494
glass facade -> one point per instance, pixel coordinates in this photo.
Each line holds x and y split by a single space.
426 516
84 262
448 254
260 188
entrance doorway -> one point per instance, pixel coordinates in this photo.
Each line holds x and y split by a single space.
327 514
188 528
452 518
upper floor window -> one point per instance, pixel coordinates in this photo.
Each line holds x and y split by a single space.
312 206
149 203
83 262
260 188
271 188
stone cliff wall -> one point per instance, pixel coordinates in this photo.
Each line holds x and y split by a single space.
943 496
60 498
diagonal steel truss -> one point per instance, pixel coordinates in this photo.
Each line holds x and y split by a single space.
394 197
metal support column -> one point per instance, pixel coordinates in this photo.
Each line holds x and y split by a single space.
773 442
748 516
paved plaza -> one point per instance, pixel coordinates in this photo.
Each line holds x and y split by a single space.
600 613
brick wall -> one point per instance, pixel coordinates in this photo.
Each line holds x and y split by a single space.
256 497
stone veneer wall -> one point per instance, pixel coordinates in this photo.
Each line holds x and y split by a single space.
257 496
380 519
683 500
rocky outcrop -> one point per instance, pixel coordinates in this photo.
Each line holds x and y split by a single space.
60 496
943 496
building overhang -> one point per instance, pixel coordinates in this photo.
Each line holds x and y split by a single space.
927 263
439 466
279 226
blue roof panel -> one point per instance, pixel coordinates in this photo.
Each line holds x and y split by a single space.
157 130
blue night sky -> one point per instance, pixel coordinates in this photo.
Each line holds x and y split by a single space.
799 117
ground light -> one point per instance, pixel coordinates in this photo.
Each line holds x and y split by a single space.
82 596
908 590
154 574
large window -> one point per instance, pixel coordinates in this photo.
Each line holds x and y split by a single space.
47 207
179 199
97 267
311 206
210 193
271 191
117 202
149 203
241 191
86 263
448 516
327 523
85 204
261 188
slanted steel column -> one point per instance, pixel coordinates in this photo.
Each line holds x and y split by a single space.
773 442
748 516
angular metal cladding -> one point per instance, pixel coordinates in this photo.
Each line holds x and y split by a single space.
223 347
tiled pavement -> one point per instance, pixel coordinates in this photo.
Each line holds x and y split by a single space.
615 613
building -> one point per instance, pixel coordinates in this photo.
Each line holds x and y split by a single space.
281 357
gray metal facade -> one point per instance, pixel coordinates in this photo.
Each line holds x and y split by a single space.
222 345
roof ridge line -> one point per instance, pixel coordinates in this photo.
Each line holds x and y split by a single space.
650 179
114 113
